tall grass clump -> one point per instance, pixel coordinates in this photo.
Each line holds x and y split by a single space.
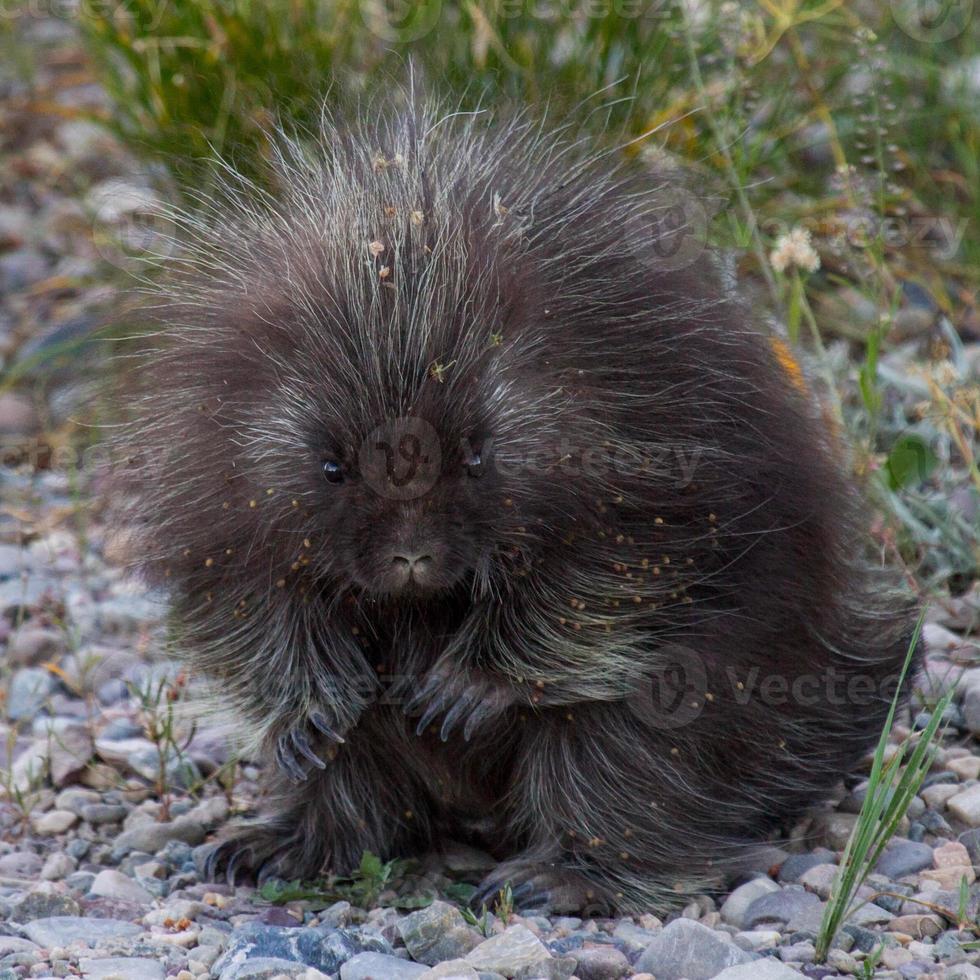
892 786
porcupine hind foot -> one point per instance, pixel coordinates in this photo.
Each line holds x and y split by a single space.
542 886
262 849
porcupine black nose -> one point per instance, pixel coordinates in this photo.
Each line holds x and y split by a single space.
411 566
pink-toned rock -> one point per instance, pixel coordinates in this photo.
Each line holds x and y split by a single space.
18 416
952 855
917 926
966 806
948 879
967 767
952 865
32 645
937 796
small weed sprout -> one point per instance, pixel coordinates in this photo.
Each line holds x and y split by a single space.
504 908
157 700
21 794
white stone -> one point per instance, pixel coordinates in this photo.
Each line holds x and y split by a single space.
114 884
57 866
766 969
758 939
939 795
737 904
55 822
121 968
515 948
966 767
966 806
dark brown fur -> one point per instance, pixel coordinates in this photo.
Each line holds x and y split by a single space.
596 644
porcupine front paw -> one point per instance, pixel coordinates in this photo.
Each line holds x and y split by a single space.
308 742
465 698
254 852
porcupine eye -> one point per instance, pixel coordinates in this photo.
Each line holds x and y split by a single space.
333 471
474 463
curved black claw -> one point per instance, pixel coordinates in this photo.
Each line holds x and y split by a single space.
466 700
292 748
456 712
487 894
419 699
232 859
481 712
286 761
320 723
252 855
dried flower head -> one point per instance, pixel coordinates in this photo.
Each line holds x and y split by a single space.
795 249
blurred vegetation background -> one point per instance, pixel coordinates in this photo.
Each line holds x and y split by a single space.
847 131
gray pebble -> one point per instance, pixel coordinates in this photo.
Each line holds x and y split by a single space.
31 645
509 953
41 902
76 799
19 596
379 966
633 939
903 858
114 884
263 968
21 864
63 930
19 270
121 968
57 866
326 950
553 969
438 932
797 864
738 902
690 950
600 963
98 813
80 881
971 710
782 906
120 728
151 836
339 915
29 688
767 969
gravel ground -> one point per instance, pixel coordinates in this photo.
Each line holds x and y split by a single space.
105 807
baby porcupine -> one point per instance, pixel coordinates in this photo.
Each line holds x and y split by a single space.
496 517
